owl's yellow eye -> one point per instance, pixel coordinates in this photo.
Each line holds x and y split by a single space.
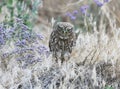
60 26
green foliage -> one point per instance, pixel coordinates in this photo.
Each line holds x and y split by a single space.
25 10
10 2
19 19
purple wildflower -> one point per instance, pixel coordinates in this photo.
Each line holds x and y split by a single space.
24 27
38 59
21 43
1 28
84 8
26 35
29 56
42 49
106 1
32 61
40 36
30 37
68 14
19 59
75 12
5 55
22 50
2 41
9 32
72 17
98 3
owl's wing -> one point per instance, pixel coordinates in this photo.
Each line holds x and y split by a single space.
51 41
74 40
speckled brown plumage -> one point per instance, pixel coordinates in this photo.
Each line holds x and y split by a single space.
62 40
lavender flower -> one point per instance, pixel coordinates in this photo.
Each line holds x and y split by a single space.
27 58
24 27
42 49
22 50
21 24
72 17
5 55
98 3
30 37
32 61
1 28
26 35
68 14
84 8
19 59
21 43
40 36
9 32
28 62
75 12
38 59
106 1
2 41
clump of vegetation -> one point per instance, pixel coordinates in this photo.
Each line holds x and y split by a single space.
25 60
17 29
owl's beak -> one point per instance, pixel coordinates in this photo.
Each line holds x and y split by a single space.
65 32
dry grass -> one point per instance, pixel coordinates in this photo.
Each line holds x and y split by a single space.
94 63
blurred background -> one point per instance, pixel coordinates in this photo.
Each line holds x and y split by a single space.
70 10
58 9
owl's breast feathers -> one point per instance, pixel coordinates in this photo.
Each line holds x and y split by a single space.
57 43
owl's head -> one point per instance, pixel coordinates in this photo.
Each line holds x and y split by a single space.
64 29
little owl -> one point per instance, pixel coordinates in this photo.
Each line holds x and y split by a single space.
62 40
